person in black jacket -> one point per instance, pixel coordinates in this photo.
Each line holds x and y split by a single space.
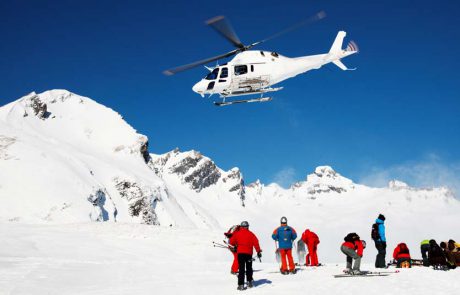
436 256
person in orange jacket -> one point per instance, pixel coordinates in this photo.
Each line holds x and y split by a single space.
285 235
353 248
244 241
402 255
311 240
229 234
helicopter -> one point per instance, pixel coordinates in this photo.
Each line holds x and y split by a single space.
254 72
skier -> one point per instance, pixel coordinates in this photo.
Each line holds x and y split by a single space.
402 256
244 241
353 248
424 248
311 240
435 255
229 234
285 235
452 257
380 241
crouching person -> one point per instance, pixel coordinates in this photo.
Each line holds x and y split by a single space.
244 241
401 255
353 248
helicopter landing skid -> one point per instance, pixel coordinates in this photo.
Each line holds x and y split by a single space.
226 103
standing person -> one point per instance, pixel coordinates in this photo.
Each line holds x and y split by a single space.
380 241
311 240
244 241
424 248
285 235
353 248
229 234
402 256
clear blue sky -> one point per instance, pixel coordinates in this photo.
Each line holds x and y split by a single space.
400 108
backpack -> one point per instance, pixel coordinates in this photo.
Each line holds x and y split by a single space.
375 232
403 248
351 237
436 251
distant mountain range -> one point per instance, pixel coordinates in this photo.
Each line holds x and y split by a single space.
65 158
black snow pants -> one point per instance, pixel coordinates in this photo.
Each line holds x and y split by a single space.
424 249
245 267
380 258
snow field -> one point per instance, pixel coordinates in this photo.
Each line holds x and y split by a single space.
122 258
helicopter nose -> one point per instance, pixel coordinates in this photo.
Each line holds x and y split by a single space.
198 88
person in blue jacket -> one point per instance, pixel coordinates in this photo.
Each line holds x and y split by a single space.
380 243
285 235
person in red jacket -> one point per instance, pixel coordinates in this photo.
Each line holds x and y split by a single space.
311 240
229 234
353 248
402 256
244 241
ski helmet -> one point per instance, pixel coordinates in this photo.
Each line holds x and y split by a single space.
283 220
244 224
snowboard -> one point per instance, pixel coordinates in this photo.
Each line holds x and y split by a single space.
301 252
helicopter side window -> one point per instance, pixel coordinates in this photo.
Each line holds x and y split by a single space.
252 68
274 54
213 75
241 70
224 73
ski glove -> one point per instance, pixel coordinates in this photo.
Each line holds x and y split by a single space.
259 254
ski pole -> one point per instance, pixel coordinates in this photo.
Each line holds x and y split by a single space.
214 244
228 245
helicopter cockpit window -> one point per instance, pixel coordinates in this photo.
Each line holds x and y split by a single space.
274 54
224 73
213 75
241 70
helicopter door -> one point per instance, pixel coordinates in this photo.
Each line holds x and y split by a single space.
224 80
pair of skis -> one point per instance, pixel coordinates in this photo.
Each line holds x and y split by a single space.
366 274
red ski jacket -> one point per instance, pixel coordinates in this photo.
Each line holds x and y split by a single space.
357 246
310 238
397 252
245 241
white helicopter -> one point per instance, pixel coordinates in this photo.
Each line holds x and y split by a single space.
255 72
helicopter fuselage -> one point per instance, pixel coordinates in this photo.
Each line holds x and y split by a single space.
252 72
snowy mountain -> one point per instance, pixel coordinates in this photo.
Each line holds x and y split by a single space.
70 168
65 158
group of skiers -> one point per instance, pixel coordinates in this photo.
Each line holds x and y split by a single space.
241 241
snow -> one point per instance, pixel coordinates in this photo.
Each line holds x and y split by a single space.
84 209
126 258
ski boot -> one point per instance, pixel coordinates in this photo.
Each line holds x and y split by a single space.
251 284
241 288
293 272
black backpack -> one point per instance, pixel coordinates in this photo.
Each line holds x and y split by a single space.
436 251
351 237
375 232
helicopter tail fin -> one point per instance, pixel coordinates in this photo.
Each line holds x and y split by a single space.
337 45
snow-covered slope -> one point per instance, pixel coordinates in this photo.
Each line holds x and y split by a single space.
66 158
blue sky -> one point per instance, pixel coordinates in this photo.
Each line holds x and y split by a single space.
399 109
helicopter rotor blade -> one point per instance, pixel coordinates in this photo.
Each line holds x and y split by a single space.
176 70
314 18
224 28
